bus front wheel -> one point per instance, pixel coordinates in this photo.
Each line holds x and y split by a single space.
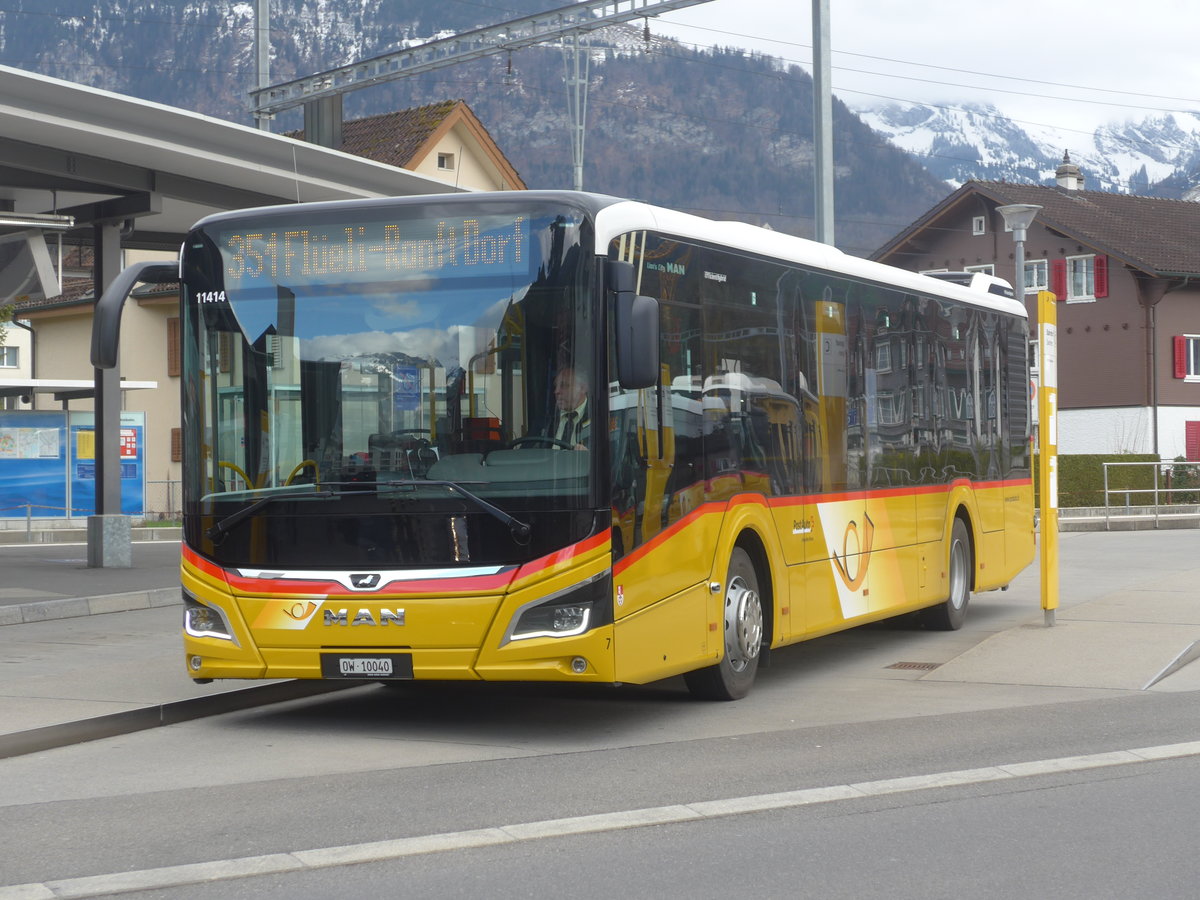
949 615
742 616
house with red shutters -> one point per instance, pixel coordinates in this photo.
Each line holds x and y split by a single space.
1126 273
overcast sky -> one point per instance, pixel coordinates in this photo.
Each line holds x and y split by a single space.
1050 63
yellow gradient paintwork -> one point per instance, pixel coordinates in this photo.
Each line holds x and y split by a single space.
834 561
454 635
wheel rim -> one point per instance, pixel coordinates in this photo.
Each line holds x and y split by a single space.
958 574
743 623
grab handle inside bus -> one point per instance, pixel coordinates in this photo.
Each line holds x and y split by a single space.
636 322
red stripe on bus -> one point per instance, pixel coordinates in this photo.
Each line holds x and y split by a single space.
196 561
666 534
800 499
472 584
887 493
242 584
566 554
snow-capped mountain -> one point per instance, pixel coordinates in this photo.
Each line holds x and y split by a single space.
962 142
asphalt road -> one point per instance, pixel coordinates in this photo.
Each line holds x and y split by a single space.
1108 835
1067 827
837 776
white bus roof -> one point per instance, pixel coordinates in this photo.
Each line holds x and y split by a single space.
627 216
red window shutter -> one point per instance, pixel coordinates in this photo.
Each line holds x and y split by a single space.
1058 278
1100 276
174 368
1191 440
1180 343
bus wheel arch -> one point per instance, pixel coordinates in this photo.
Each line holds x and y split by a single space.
950 614
746 624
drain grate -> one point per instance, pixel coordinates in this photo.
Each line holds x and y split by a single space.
923 666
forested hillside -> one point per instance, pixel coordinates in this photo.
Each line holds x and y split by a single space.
714 131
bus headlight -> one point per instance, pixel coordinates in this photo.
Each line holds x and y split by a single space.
553 621
204 621
565 613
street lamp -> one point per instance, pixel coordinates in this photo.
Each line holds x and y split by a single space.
1017 218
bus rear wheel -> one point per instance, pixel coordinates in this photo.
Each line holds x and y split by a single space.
731 678
949 615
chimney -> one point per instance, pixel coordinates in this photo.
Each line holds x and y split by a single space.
1068 175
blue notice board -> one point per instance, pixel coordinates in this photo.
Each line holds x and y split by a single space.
33 464
133 466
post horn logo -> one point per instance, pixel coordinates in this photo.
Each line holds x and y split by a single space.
864 552
300 611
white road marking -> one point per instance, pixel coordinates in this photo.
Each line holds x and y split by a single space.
379 851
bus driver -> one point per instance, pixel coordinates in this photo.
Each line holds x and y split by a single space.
571 424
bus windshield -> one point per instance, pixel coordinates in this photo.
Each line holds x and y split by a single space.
415 364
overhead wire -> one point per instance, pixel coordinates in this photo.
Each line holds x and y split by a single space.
925 65
474 3
1126 139
725 33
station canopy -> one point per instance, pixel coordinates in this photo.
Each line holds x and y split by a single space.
73 157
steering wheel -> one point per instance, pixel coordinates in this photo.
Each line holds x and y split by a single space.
540 439
308 463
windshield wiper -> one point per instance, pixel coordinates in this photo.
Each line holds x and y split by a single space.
222 527
519 530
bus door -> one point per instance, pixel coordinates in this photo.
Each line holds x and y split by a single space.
833 425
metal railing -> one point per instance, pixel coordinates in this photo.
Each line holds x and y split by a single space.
161 503
1165 487
28 509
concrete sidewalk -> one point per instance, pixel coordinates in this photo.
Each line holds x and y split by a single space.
51 580
70 680
1129 621
90 653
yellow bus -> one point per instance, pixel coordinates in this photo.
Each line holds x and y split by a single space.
558 436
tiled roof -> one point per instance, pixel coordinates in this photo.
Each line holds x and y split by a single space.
1161 237
75 290
78 290
393 138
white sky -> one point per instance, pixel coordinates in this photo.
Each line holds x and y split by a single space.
1043 62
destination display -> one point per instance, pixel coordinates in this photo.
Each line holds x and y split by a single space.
298 252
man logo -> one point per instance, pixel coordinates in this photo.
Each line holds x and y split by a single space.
365 582
364 617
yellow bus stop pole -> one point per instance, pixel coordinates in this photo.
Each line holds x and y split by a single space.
1048 449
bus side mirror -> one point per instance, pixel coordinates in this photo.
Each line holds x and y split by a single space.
106 322
636 320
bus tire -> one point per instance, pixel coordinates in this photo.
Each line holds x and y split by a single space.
742 615
949 615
